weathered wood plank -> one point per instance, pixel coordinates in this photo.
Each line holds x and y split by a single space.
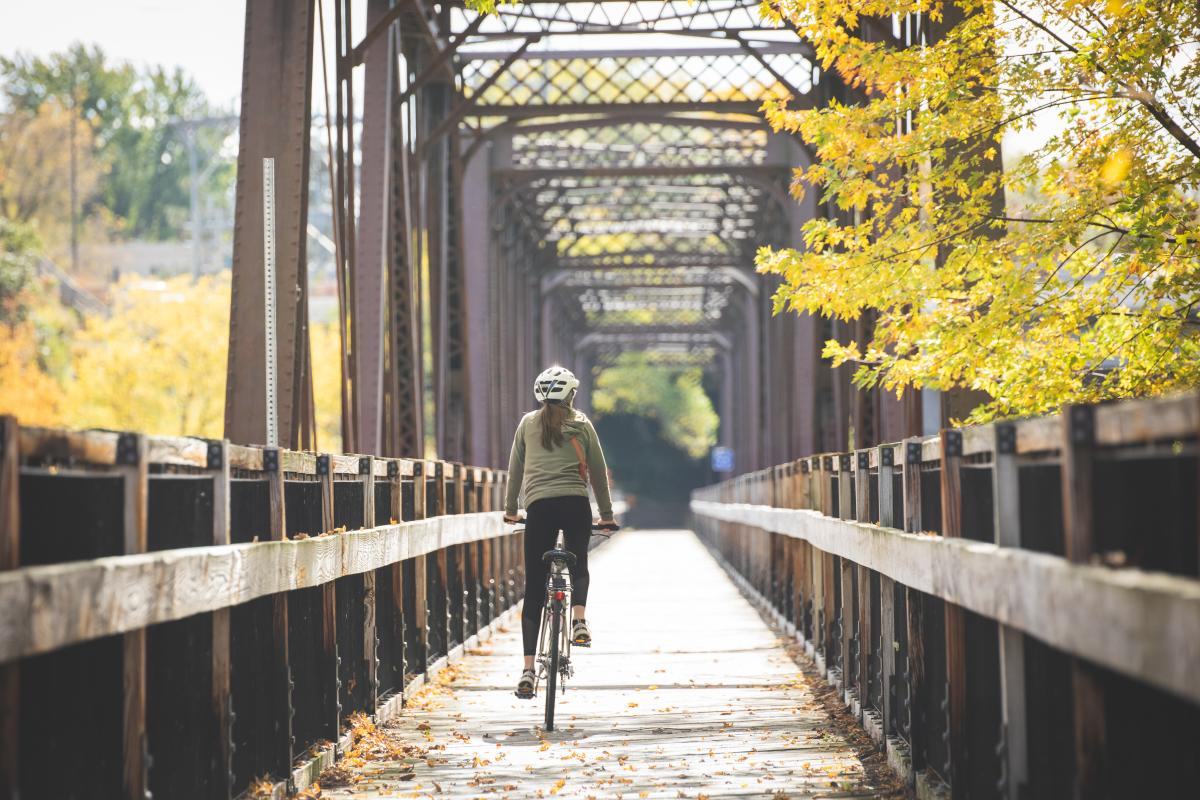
87 447
1146 625
51 606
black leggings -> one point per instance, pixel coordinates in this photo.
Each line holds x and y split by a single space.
545 518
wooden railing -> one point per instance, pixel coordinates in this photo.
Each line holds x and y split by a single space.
1012 610
183 618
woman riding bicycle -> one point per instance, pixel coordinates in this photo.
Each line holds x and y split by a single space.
554 450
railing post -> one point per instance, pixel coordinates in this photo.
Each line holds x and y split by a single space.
222 698
1078 456
329 648
279 669
10 556
488 566
1006 524
956 633
914 607
136 478
845 479
440 609
370 640
421 569
862 487
886 456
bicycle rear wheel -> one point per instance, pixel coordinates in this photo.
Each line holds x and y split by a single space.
552 678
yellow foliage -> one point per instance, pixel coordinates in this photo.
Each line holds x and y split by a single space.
25 390
327 384
158 363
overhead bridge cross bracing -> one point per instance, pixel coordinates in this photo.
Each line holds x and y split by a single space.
572 180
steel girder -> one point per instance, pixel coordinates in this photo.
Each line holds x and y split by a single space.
276 91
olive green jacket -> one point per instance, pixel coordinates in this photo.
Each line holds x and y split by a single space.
555 472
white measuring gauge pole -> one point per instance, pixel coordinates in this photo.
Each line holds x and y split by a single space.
272 371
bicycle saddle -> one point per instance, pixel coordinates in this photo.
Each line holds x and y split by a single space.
565 555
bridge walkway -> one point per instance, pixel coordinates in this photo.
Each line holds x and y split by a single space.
687 694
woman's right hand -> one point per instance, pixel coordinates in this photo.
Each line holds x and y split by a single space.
511 520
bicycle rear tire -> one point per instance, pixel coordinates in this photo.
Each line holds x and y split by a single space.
552 677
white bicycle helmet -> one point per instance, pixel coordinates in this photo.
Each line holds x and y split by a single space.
554 385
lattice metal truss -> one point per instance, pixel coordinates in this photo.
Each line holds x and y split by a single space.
625 141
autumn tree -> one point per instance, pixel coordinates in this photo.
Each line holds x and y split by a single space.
1083 284
132 121
157 362
36 168
674 397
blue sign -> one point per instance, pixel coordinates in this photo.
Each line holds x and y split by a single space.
722 459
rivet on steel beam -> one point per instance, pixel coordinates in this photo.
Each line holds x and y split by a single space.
887 456
844 465
393 468
864 459
364 465
954 442
828 463
912 453
270 460
322 465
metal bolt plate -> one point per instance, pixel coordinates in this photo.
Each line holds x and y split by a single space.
1006 438
127 449
215 457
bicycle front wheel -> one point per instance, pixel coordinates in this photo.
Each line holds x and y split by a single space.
552 678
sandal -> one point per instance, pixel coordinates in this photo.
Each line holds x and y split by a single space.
525 685
580 635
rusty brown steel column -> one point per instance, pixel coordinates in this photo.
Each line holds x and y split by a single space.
404 429
276 92
367 325
475 259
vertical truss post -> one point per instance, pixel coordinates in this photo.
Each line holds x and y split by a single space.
476 259
404 429
276 92
368 325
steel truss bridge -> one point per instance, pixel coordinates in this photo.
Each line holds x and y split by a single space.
559 182
1009 611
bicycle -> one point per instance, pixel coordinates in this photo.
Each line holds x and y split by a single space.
554 638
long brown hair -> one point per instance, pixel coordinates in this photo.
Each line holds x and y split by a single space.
552 416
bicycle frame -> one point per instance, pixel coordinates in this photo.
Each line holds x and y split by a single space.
558 601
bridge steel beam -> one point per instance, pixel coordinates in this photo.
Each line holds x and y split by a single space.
276 92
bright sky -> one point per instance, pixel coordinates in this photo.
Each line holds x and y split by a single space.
205 38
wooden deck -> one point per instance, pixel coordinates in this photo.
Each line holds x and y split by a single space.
687 693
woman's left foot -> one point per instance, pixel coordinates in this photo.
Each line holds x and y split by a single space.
580 635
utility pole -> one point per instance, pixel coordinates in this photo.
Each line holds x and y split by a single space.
74 189
189 139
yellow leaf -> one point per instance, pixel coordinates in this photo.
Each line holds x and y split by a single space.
1116 167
